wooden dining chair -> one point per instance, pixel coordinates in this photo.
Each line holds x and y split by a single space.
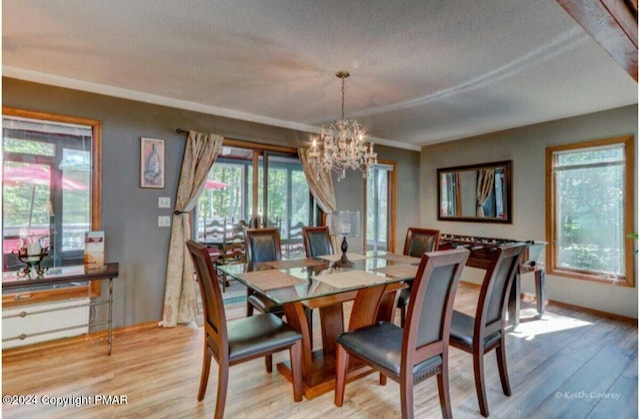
421 349
417 242
262 245
317 241
232 251
486 331
236 341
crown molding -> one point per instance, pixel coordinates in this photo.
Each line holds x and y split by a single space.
107 90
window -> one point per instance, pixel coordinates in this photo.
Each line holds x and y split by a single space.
50 189
380 207
590 210
282 196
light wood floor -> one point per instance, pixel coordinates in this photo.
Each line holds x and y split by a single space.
566 365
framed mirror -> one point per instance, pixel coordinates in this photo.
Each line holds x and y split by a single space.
476 193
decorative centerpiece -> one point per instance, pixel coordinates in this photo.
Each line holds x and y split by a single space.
345 224
32 256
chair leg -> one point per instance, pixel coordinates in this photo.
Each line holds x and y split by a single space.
478 372
406 396
223 382
204 374
295 355
443 392
382 379
249 306
342 363
501 357
268 363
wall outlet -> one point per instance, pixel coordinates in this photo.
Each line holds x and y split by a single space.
164 202
164 221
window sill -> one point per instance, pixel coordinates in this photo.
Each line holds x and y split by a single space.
618 281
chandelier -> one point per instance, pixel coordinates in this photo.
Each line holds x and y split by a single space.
341 145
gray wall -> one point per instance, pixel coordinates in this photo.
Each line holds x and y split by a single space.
129 214
350 193
526 147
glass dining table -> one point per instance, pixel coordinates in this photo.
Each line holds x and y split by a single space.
298 284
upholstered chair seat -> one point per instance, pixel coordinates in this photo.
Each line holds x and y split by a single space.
264 305
251 336
462 331
387 352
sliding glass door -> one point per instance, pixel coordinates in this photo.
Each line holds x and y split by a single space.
286 200
263 188
380 220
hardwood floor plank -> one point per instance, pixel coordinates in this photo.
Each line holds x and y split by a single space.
590 382
546 375
159 371
626 389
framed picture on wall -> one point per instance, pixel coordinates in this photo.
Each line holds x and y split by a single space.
151 163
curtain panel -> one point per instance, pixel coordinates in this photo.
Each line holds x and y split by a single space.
484 189
321 187
180 304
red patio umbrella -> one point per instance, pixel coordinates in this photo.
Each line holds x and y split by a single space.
214 184
35 175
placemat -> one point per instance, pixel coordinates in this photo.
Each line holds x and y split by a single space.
271 279
350 256
401 258
399 271
350 279
295 263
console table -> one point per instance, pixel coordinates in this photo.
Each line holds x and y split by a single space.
482 250
12 283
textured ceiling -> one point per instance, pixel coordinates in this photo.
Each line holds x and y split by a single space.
421 71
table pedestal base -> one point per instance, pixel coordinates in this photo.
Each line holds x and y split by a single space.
323 375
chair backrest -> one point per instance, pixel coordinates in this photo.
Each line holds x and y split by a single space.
215 229
431 303
262 244
317 241
234 233
214 317
492 302
421 240
233 249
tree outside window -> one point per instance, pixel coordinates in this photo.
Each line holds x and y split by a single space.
590 209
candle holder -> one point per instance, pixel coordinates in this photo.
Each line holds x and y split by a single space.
32 261
345 224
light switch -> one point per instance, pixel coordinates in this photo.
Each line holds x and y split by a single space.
164 221
164 202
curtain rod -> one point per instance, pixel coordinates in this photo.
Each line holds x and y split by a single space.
181 131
